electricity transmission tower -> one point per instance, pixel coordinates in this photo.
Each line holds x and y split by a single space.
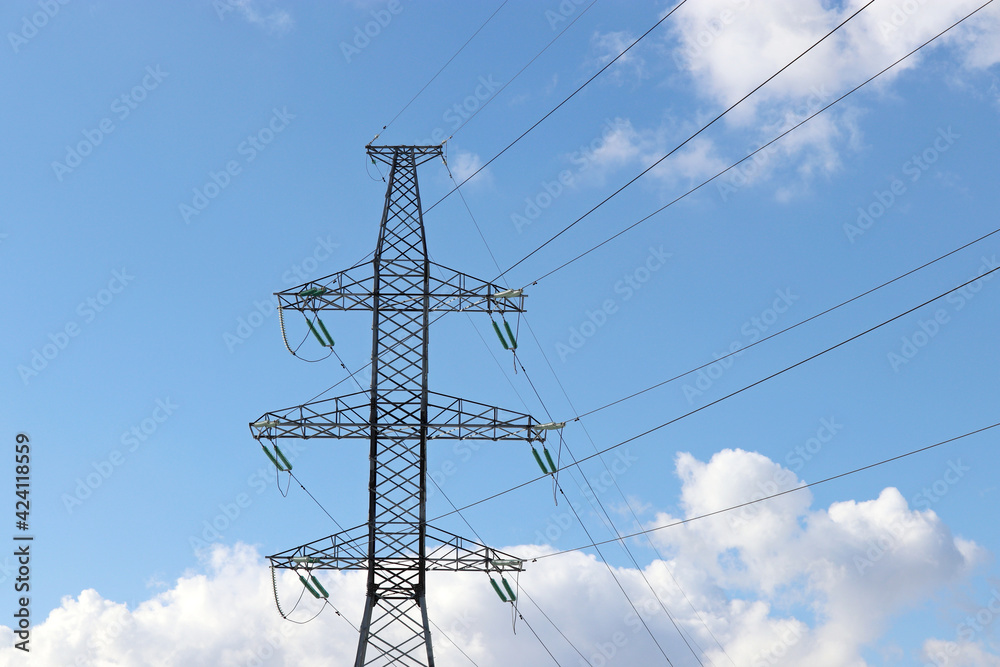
398 416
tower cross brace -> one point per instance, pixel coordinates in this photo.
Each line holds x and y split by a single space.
398 415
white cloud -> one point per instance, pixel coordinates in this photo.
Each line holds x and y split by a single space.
951 654
608 46
464 164
781 583
728 47
622 145
855 564
275 21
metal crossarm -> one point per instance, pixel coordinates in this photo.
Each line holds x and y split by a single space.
347 551
398 416
354 289
448 418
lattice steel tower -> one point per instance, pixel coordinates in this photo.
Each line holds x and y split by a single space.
398 416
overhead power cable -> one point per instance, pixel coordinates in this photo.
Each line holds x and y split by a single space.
522 588
786 329
453 56
556 108
785 492
594 495
730 395
526 66
738 163
783 134
615 530
693 136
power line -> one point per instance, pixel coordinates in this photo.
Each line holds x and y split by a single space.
567 99
789 328
594 497
736 164
454 55
691 191
519 72
452 642
686 141
593 494
635 516
521 586
738 391
787 491
302 486
615 577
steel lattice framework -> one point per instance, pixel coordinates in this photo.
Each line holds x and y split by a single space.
398 415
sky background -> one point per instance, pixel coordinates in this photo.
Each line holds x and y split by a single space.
168 166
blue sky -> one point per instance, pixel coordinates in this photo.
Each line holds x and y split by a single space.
168 166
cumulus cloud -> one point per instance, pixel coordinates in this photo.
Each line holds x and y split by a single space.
622 145
854 564
780 583
610 45
464 164
274 21
728 47
950 654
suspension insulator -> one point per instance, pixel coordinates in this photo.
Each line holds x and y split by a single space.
325 332
319 586
309 587
288 466
271 456
513 341
503 341
539 460
510 591
548 457
497 589
314 332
